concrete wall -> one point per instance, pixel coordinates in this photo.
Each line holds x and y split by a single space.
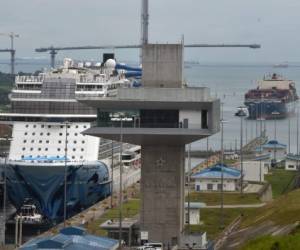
253 171
228 184
162 65
162 189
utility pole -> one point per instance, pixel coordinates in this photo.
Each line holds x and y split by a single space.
241 113
112 174
120 187
65 174
222 177
189 181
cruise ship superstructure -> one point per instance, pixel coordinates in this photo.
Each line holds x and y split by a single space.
46 120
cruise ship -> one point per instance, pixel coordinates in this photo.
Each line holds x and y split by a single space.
274 98
47 143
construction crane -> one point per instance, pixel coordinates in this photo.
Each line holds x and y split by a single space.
12 51
53 50
144 40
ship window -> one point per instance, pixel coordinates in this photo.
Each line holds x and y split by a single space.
33 133
75 134
84 126
75 142
69 126
24 141
49 126
61 126
73 157
32 141
25 133
57 156
48 134
41 133
23 149
38 156
42 126
68 134
39 149
60 134
82 149
27 126
83 141
74 149
31 149
81 157
34 126
59 141
40 141
22 156
46 149
76 126
47 141
58 149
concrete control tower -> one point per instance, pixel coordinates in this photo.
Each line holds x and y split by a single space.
162 116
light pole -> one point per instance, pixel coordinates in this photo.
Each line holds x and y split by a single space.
120 182
275 114
189 180
222 175
260 147
289 136
65 174
297 146
112 174
241 113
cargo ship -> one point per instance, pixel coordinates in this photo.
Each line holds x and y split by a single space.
47 143
274 98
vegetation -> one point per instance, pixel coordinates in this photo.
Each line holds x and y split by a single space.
210 219
129 210
286 242
282 211
214 198
282 181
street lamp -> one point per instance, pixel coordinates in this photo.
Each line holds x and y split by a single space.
260 146
222 175
241 113
120 182
65 172
275 114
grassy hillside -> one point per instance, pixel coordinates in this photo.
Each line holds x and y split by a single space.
282 211
287 242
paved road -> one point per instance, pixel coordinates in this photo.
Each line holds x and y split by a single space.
238 206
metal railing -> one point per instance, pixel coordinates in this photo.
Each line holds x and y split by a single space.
30 79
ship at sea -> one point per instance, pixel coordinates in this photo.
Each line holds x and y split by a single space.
47 144
274 98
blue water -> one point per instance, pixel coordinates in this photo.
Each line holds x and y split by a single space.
227 82
230 83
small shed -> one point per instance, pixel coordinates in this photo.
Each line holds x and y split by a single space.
209 179
130 230
292 162
194 212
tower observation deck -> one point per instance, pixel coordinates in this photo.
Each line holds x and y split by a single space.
161 116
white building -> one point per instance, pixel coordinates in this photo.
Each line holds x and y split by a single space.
210 179
292 161
276 149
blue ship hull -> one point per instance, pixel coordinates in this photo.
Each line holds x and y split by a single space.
44 185
270 109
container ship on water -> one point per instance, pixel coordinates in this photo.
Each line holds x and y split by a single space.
46 119
274 98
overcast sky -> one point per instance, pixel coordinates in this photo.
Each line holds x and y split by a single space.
272 23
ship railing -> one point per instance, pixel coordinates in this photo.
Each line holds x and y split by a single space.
30 79
88 80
